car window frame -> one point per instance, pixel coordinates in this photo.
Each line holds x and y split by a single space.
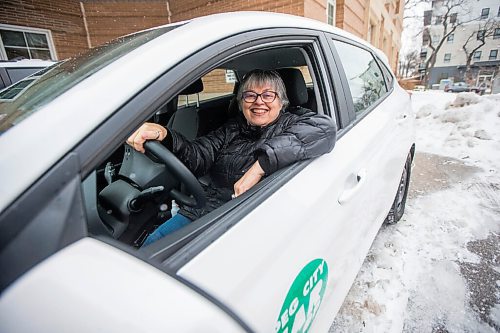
114 131
388 75
336 79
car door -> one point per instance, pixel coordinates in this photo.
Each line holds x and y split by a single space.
296 249
381 133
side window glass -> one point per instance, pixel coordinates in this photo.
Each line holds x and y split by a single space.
364 76
389 78
217 83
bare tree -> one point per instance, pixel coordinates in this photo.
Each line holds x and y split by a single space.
412 32
408 65
448 21
411 9
476 41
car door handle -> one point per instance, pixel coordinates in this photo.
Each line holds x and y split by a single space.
346 195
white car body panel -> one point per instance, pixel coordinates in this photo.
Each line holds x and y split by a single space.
92 287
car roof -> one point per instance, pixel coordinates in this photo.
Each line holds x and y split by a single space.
76 112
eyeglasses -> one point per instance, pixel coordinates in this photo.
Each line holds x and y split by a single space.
266 96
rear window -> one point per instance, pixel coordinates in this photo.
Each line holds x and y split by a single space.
18 102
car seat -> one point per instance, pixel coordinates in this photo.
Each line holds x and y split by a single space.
296 90
186 119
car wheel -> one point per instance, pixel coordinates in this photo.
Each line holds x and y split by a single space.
398 206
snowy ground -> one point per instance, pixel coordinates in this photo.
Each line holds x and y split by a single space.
438 270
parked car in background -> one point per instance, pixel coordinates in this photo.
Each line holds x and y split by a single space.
12 71
279 258
464 87
443 83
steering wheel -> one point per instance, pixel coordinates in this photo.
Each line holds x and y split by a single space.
186 177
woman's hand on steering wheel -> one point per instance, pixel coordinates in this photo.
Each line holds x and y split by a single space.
147 131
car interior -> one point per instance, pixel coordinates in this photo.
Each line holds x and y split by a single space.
130 194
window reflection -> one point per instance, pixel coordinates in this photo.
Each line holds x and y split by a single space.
364 76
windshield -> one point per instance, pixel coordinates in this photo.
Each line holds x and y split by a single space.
22 99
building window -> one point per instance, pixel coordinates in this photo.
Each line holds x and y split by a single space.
427 17
485 13
426 37
453 18
28 43
477 56
439 20
331 12
480 34
496 35
493 55
447 57
371 33
450 38
435 39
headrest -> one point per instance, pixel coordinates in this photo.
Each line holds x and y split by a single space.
295 85
195 88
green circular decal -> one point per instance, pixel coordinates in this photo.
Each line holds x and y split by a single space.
303 299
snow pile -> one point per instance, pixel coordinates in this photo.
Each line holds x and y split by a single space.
465 126
423 274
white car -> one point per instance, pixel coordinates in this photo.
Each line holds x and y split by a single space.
280 258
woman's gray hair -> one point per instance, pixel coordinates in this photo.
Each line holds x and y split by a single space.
261 77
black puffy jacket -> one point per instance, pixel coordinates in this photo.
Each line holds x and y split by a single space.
229 151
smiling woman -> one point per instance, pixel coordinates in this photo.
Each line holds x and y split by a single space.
271 90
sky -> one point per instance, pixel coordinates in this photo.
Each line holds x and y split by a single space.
411 39
438 269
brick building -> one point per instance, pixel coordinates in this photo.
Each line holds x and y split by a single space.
378 22
52 29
